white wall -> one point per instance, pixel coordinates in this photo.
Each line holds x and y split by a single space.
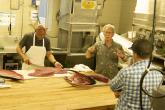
118 13
126 15
111 13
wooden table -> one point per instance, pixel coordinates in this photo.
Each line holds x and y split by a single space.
54 94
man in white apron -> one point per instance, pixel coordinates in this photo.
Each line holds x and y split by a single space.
37 46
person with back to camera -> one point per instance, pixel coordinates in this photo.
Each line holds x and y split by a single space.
37 46
107 53
128 79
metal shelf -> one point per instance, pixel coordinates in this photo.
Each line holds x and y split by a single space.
74 22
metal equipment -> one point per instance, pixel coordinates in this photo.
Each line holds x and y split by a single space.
159 103
11 62
76 18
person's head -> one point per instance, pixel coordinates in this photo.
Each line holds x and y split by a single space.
142 48
40 31
108 31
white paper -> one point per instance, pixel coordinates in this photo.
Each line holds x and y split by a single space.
25 73
4 86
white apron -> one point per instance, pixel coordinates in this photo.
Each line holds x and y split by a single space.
36 55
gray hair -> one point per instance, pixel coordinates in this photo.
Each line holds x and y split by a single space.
40 26
107 26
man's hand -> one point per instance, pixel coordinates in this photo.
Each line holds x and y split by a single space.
91 49
117 94
120 54
89 52
58 65
26 60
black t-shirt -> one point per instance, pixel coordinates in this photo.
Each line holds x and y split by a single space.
27 42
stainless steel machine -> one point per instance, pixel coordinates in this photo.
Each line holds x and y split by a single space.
77 21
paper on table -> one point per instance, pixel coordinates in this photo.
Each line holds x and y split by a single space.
82 67
26 72
4 86
62 75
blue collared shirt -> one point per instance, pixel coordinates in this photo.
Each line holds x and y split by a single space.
128 79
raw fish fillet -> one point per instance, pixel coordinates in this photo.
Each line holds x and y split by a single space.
10 74
47 71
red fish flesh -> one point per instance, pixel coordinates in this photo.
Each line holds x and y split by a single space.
81 79
47 71
10 74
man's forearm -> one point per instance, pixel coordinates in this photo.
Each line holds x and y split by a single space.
88 54
20 52
51 58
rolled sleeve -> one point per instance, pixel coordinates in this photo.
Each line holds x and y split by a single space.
117 82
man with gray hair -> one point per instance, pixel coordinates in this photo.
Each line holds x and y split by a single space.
107 53
37 46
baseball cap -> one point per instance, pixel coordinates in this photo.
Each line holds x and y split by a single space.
142 47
